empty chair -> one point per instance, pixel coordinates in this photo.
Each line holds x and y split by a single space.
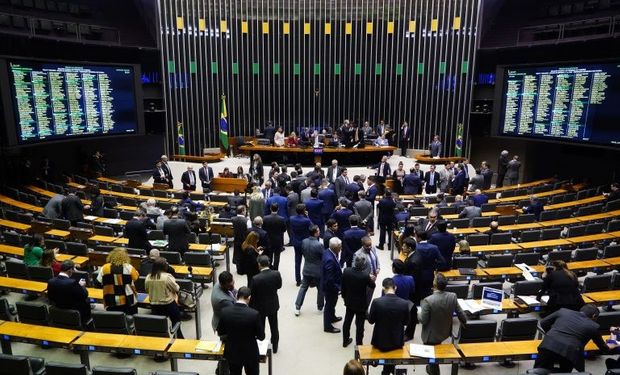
102 230
84 225
76 248
564 255
132 251
459 223
527 287
531 259
140 283
111 322
105 248
477 331
419 211
596 283
65 318
477 289
103 370
56 244
24 218
110 213
530 235
501 238
500 260
488 207
156 235
32 313
450 210
611 251
548 215
126 215
506 220
54 368
478 239
173 257
196 258
22 365
613 205
613 225
608 319
481 222
209 238
564 213
16 269
595 228
514 329
461 290
5 311
586 254
578 230
38 273
526 219
551 233
12 238
61 224
154 325
464 262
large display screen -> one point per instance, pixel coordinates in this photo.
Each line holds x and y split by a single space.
577 103
53 101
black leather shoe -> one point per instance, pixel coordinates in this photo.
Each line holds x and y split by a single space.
337 319
332 330
347 342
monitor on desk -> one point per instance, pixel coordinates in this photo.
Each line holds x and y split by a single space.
492 298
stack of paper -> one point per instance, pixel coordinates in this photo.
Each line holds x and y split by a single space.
470 305
527 271
423 351
529 300
209 346
112 221
90 217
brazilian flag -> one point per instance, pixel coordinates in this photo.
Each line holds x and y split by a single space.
458 146
224 126
180 138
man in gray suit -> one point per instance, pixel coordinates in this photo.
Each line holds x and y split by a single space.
53 208
312 248
435 147
435 315
223 295
333 171
341 182
470 212
366 211
512 174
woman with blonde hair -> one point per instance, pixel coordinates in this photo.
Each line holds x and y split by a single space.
562 287
251 251
256 204
117 277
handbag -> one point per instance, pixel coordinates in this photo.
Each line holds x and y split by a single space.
186 300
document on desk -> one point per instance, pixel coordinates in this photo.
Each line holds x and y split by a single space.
112 221
470 305
209 346
90 218
527 271
529 300
262 346
422 351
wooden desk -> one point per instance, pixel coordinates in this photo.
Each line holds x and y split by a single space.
229 185
104 239
606 297
591 238
225 229
20 227
62 234
466 230
518 227
559 222
579 202
428 159
109 342
371 356
612 261
455 275
503 272
589 265
330 152
489 249
522 197
22 286
601 216
543 244
499 351
19 204
35 334
18 252
484 214
520 186
198 273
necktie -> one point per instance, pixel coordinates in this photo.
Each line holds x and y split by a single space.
373 263
346 180
161 173
429 225
382 169
335 176
432 179
191 178
207 175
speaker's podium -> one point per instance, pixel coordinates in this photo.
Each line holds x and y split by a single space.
229 185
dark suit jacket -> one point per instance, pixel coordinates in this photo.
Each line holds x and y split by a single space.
330 173
331 273
342 218
435 148
567 333
411 184
535 209
242 326
386 208
389 314
313 250
263 238
340 186
205 175
427 179
328 235
265 285
66 293
177 231
458 185
167 170
275 226
300 229
371 194
315 211
352 188
72 208
186 182
386 172
135 230
282 203
354 286
502 165
351 242
563 290
330 200
445 242
157 176
235 200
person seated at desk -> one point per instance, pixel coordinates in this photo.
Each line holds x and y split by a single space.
402 214
493 228
147 264
241 174
292 140
226 173
562 286
33 250
150 207
478 198
464 249
188 203
67 293
381 141
226 212
278 137
49 260
535 207
470 212
136 231
614 192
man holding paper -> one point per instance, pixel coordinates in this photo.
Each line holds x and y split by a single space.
436 316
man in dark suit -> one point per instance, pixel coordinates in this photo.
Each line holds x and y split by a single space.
435 147
355 283
429 224
314 207
426 259
331 280
333 171
159 174
431 179
240 326
405 138
412 183
72 208
566 334
257 227
329 198
205 174
341 183
178 232
351 240
383 169
458 185
479 199
386 207
487 175
136 231
445 242
167 170
279 200
331 230
269 132
502 167
275 226
188 179
389 314
341 215
512 173
352 188
300 225
67 293
241 226
535 207
236 200
265 285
